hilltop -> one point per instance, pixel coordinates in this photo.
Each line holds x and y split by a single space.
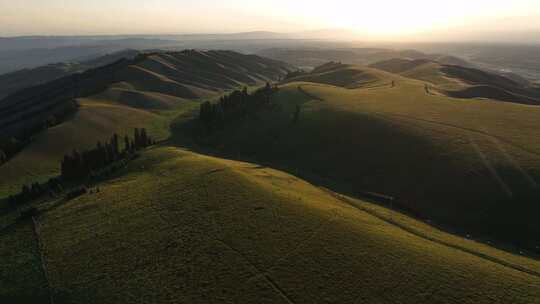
464 82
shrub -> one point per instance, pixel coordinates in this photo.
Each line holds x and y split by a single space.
76 193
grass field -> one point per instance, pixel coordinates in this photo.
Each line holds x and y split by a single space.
179 226
462 81
176 226
21 274
148 92
472 164
96 120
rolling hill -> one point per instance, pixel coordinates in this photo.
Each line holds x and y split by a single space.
313 57
187 74
18 80
147 91
464 82
455 162
176 226
269 209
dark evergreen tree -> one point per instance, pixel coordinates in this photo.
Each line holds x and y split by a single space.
115 146
137 139
100 156
206 112
127 144
144 138
296 114
25 193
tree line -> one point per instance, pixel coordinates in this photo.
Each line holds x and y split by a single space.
235 105
79 165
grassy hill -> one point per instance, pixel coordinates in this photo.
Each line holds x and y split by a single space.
342 75
18 80
148 91
312 57
176 226
464 82
187 74
95 121
470 164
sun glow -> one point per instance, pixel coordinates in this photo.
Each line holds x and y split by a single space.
413 16
373 17
390 17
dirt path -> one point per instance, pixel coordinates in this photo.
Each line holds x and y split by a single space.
37 233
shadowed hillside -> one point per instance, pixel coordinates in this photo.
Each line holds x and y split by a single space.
187 74
455 162
15 81
149 90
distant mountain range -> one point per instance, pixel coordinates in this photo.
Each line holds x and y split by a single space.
510 56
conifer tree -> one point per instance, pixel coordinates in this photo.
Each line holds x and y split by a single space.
127 146
115 145
25 193
137 139
296 114
144 138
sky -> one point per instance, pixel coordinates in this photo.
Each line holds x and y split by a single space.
373 17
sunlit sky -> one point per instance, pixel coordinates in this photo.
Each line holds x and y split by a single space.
377 17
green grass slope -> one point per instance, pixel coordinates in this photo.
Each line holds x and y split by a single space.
18 80
470 164
21 274
175 226
463 82
139 99
148 91
188 74
344 75
96 120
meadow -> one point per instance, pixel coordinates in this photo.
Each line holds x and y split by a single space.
467 163
179 226
273 209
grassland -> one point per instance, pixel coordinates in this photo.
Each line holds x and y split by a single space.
96 120
22 279
149 92
463 82
176 226
472 164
